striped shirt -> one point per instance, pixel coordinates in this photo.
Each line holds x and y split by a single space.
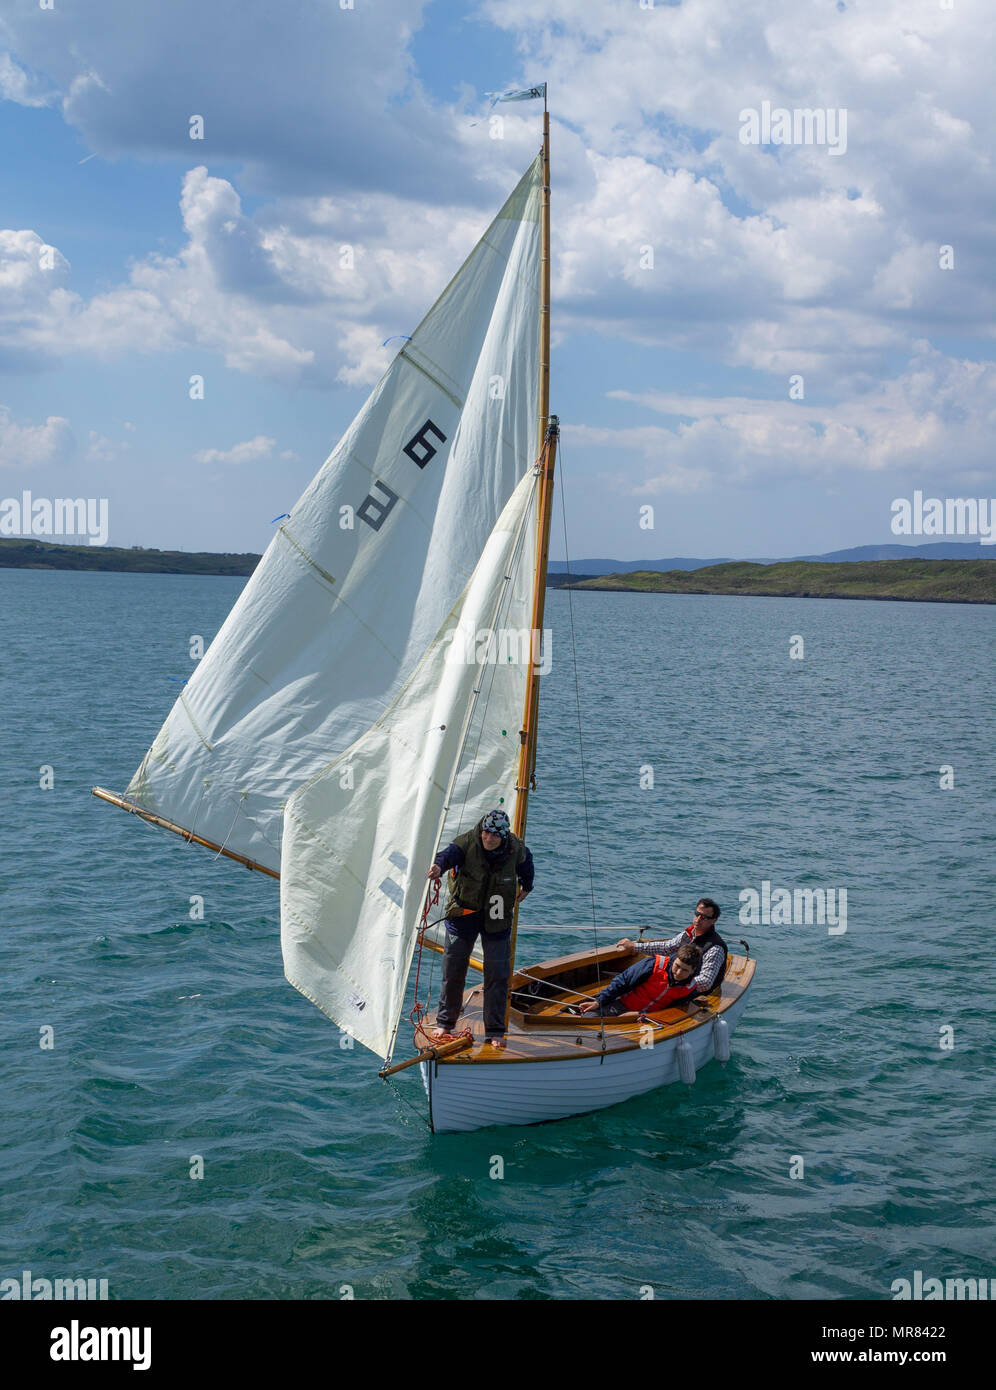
712 958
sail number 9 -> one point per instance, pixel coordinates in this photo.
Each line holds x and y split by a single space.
375 510
420 441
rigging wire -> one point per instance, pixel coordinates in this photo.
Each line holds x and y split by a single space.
577 697
417 1110
238 812
197 811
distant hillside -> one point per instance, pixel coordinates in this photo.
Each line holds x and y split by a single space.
603 566
565 581
19 553
940 579
932 550
928 581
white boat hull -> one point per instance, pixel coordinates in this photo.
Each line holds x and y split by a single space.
466 1097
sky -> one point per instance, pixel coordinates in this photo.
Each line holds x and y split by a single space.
765 343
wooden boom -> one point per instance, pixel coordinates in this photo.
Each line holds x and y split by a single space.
191 838
188 835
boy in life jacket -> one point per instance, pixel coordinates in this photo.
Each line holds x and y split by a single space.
655 982
492 870
703 934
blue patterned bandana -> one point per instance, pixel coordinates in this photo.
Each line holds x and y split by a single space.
497 822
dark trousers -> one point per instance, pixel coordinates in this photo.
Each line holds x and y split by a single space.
460 938
615 1006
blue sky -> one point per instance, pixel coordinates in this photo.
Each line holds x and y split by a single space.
219 257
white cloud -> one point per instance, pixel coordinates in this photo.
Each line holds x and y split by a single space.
252 450
31 298
834 276
279 87
31 446
263 292
101 449
202 298
20 86
936 417
657 94
365 355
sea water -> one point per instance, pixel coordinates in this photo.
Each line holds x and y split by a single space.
177 1120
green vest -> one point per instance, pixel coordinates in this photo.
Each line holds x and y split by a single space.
478 881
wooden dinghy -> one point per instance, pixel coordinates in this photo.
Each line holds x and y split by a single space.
575 1063
375 691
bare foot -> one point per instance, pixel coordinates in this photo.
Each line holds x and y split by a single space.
440 1032
496 1042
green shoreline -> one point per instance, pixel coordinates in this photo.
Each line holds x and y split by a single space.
21 553
918 581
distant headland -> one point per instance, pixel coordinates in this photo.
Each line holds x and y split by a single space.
940 580
923 581
26 553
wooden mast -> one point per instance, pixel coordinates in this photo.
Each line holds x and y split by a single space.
549 427
544 343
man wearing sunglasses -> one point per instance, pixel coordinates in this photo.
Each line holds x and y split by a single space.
703 934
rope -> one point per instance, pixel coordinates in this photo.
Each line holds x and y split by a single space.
431 899
419 1010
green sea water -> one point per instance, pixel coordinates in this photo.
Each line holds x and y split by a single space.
863 1063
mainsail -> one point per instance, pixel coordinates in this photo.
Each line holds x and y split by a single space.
358 584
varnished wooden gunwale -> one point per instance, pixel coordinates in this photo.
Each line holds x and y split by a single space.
577 961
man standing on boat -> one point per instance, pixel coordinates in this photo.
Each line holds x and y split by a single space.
703 934
492 871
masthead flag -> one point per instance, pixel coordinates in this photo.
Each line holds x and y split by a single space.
525 94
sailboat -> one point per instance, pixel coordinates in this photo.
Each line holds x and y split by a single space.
375 690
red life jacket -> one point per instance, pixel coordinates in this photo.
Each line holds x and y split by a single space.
658 990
